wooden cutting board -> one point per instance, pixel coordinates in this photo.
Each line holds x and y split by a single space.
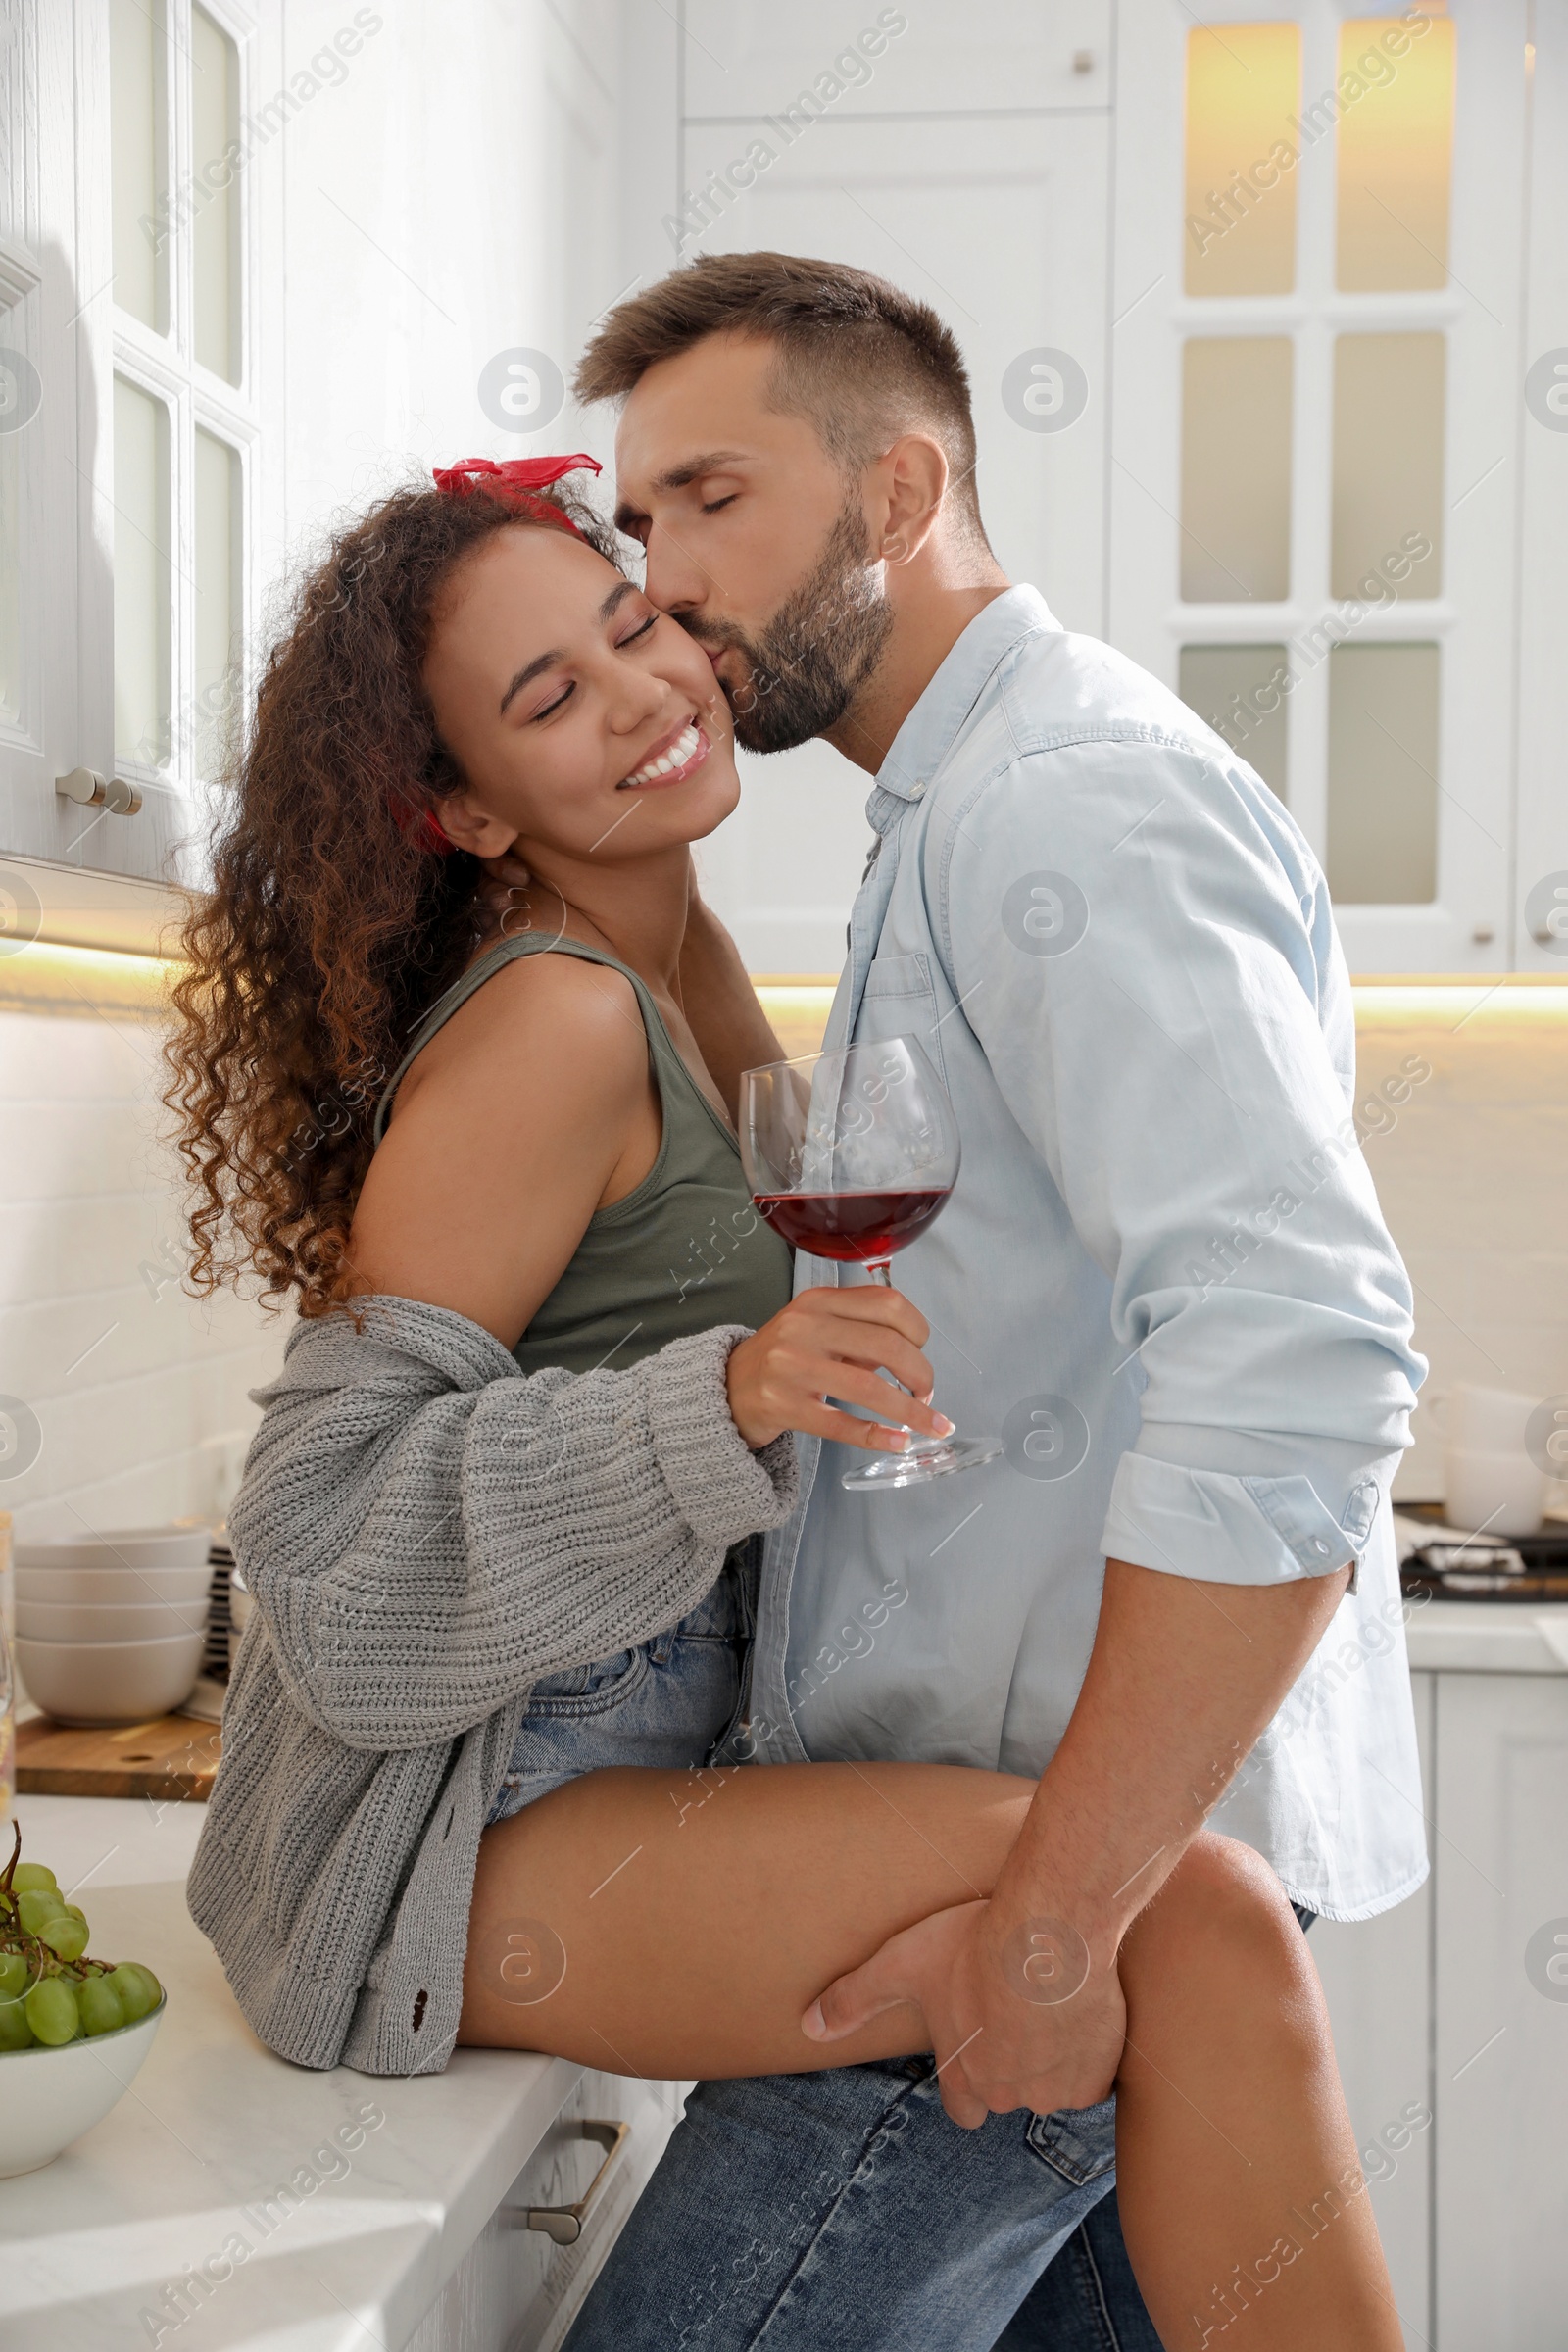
175 1756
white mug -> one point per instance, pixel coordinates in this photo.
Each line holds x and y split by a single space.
1497 1494
1484 1420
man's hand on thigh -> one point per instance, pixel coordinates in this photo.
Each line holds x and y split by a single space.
1018 2015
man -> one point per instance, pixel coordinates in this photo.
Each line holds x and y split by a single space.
1162 1280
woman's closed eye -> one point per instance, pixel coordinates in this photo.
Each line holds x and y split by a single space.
644 628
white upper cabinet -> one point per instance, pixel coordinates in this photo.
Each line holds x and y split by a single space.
125 500
976 176
1316 425
755 57
1541 883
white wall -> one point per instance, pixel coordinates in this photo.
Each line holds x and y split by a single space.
453 198
138 1392
1471 1182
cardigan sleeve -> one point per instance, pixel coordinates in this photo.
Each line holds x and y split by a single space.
428 1532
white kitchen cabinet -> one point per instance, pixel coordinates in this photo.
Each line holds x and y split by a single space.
1445 2003
126 501
1541 880
976 175
1451 762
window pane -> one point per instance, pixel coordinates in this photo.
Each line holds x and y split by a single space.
1242 86
217 597
141 575
1236 468
215 232
1387 460
1396 138
1382 775
1238 690
136 139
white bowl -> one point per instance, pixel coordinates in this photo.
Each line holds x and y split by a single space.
49 2097
1496 1493
93 1682
121 1588
121 1547
104 1621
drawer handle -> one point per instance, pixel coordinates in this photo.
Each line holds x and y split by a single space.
566 2223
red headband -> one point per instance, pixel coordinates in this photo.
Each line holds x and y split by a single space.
513 480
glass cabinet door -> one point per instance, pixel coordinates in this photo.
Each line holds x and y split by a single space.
1316 426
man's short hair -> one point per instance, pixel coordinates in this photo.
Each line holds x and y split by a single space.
861 361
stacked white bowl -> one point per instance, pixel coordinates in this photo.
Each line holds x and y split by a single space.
111 1628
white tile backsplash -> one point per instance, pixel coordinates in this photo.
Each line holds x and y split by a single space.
139 1391
1473 1179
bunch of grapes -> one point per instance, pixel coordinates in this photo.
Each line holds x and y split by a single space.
50 1991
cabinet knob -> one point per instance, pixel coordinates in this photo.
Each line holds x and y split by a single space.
89 790
1482 935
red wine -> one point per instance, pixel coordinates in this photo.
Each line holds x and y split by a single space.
852 1227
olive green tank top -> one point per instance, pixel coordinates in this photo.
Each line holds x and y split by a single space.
684 1251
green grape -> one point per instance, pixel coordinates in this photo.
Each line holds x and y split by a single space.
29 1877
15 2031
37 1907
139 1988
102 2009
73 1911
52 2012
66 1938
14 1976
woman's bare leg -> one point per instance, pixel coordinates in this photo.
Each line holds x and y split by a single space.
678 1923
1243 2202
698 1914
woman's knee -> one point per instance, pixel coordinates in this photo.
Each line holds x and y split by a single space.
1223 1920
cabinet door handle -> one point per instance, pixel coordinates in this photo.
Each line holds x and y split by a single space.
566 2223
89 790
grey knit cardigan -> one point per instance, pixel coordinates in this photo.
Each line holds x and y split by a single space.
426 1533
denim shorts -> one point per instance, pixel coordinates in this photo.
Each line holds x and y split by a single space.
673 1701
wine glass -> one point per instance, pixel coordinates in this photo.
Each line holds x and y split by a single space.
850 1154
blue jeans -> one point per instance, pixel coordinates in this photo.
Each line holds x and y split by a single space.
670 1701
800 2213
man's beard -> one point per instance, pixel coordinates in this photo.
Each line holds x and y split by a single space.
817 651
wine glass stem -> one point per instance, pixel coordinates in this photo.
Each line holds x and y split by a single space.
880 1270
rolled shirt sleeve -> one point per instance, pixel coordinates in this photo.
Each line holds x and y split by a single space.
1143 945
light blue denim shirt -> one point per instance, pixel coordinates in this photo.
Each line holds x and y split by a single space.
1163 1278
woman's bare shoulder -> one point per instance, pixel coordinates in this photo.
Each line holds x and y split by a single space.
557 1023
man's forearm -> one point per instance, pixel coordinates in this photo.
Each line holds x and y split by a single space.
1183 1679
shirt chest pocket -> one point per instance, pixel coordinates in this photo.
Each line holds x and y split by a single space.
901 1001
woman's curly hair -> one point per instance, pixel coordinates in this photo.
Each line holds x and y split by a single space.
328 928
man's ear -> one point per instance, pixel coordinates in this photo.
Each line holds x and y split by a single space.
472 828
913 481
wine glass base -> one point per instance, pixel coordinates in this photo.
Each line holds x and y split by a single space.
938 1459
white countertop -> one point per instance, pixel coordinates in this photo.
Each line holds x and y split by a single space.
1482 1637
213 2123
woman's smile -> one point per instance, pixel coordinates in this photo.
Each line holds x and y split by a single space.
673 758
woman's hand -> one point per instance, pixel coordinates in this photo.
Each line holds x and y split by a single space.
833 1343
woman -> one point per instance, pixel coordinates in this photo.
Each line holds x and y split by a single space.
498 1515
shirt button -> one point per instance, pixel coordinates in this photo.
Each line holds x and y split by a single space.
1320 1548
